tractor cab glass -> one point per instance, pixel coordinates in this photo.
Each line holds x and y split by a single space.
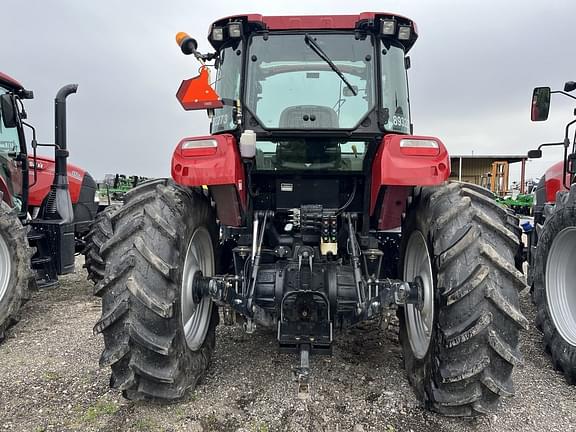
10 170
395 104
290 85
310 154
9 141
228 87
326 81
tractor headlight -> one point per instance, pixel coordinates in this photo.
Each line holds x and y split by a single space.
388 27
218 34
404 32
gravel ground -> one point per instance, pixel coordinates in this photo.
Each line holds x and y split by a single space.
50 381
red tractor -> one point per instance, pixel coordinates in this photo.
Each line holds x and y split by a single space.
552 244
46 207
309 209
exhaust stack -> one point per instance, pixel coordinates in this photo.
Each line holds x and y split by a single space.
59 204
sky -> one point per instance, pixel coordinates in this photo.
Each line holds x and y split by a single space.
473 70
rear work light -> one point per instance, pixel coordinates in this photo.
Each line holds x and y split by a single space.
235 30
199 148
218 34
388 27
404 32
419 147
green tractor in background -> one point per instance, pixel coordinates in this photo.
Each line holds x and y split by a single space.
115 186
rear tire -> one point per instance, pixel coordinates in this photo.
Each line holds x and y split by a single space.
460 349
15 273
100 232
554 279
146 288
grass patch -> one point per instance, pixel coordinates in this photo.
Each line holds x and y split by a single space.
51 376
179 412
145 425
99 409
260 427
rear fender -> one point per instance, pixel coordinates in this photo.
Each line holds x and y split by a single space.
394 165
216 164
554 182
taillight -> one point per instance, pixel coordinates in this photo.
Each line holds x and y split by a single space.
419 147
199 148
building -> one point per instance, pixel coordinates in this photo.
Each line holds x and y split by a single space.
490 171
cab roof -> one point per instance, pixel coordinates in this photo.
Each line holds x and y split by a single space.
10 83
364 20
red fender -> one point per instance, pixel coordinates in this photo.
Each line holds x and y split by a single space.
213 161
399 164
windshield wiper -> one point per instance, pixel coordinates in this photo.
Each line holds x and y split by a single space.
316 48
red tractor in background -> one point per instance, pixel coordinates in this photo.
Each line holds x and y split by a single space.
46 205
552 244
309 209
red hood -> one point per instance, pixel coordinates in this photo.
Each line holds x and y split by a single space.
45 169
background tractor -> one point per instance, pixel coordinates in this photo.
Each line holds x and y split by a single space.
552 244
46 206
309 209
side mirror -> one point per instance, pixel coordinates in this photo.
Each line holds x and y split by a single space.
535 154
8 111
569 86
540 104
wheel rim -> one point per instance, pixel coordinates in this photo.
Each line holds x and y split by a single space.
560 289
5 268
196 316
419 320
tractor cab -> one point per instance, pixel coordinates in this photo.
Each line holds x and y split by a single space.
13 166
304 78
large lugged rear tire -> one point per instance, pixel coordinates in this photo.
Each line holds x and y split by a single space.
555 284
157 341
100 232
460 347
15 273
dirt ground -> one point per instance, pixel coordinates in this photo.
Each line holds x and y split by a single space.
50 381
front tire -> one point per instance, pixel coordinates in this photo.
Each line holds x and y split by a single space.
15 273
100 232
461 343
554 282
157 341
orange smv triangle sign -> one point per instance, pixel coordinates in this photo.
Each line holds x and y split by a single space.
197 93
